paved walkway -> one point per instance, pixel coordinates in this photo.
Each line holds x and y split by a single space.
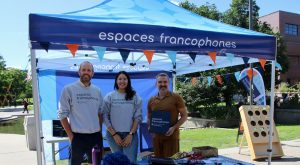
291 150
14 151
14 111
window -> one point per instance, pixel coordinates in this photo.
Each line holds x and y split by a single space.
291 29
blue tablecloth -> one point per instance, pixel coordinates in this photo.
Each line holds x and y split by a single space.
220 160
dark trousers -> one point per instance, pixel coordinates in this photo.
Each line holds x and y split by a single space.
82 144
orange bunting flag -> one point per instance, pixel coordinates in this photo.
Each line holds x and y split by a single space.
194 81
213 56
263 63
219 78
149 54
250 73
73 48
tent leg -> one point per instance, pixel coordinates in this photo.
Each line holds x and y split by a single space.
36 107
271 113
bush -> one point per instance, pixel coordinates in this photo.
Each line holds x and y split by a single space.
218 112
291 103
203 101
198 95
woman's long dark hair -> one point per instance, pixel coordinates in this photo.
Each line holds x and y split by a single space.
129 90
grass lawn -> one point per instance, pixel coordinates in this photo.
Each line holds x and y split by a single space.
225 138
15 127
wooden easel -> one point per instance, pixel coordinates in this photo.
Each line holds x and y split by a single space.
241 132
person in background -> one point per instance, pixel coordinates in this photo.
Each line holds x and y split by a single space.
166 145
122 112
80 114
25 106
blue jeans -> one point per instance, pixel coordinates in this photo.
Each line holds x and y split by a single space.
130 151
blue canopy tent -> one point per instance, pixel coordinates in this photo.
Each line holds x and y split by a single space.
180 39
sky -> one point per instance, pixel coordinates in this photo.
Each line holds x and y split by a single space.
14 45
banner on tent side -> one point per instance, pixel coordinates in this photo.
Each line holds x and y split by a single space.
132 37
259 94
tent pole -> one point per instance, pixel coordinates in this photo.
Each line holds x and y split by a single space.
251 28
36 107
174 83
271 116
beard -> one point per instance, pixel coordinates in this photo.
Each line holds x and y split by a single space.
163 88
85 78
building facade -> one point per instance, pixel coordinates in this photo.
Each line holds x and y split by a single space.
287 24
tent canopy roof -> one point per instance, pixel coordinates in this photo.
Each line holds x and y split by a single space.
157 12
138 25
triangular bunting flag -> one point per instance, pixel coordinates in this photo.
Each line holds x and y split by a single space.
73 48
193 56
209 79
277 65
124 53
262 63
45 45
246 60
230 56
194 81
237 75
149 54
172 56
100 51
213 56
228 79
250 73
219 78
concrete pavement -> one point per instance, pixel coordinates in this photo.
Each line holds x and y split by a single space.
291 150
13 150
14 111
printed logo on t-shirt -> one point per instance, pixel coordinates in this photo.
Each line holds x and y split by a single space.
85 97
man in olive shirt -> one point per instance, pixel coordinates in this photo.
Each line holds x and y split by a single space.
166 145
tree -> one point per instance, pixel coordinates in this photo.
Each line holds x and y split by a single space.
2 63
208 10
13 85
238 14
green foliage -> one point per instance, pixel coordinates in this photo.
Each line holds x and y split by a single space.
284 88
208 10
13 86
198 95
219 112
291 103
238 14
15 127
2 63
203 100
